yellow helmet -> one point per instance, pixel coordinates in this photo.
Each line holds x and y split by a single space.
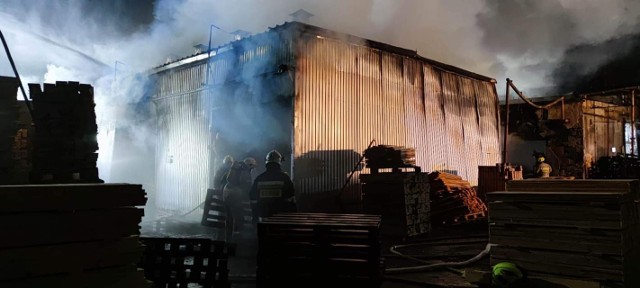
540 159
505 273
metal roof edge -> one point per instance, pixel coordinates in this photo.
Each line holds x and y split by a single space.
299 27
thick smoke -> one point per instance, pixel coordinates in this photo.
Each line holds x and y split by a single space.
531 39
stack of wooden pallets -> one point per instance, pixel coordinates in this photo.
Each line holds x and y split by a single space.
315 250
402 199
178 262
65 141
8 128
453 200
74 235
584 229
387 156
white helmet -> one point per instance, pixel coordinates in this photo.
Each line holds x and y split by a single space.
250 162
274 157
228 160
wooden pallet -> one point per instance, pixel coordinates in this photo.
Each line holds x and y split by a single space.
301 248
215 214
585 229
402 199
78 235
176 262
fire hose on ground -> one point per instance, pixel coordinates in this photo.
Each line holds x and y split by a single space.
431 266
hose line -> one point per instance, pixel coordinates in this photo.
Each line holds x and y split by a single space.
429 267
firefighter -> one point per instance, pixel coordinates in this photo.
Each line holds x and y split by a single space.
272 191
220 178
543 169
236 191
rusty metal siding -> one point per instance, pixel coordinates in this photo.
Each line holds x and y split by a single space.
347 95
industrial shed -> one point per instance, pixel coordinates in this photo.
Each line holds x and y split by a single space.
320 98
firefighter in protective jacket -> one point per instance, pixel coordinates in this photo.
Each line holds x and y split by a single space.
236 191
272 191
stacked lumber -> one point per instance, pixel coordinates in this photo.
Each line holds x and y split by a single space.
453 200
9 127
178 262
388 156
80 235
402 199
65 143
582 229
22 156
490 179
316 250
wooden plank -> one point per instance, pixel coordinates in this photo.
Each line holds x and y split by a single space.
596 224
124 277
607 262
65 197
604 198
610 236
568 213
558 245
68 258
59 227
617 185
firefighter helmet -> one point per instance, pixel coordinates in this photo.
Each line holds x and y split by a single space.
228 160
250 162
505 274
274 157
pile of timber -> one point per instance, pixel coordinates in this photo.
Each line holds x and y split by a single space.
65 141
317 250
402 199
8 128
583 229
81 235
453 200
388 156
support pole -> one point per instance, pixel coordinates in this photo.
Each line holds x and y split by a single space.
506 126
15 71
633 121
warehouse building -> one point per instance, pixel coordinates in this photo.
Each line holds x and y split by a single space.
320 98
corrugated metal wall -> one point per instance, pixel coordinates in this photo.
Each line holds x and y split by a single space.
603 128
347 95
244 97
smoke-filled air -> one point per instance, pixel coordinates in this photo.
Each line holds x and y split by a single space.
546 47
